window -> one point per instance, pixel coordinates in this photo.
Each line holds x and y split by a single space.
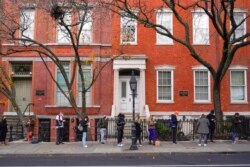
128 31
241 30
63 36
164 18
165 84
87 81
200 28
27 23
86 32
60 98
201 85
238 86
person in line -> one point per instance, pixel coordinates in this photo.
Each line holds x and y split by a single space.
3 131
203 129
59 128
152 130
212 121
120 127
84 122
103 125
173 125
30 129
236 127
138 129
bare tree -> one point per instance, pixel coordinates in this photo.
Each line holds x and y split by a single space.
221 14
72 31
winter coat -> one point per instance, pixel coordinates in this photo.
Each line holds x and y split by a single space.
103 123
203 126
236 125
120 122
84 124
173 121
212 120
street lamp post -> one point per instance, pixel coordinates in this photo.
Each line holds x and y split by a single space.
133 87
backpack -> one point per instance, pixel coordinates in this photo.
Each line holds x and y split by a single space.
79 127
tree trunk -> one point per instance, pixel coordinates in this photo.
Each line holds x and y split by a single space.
217 101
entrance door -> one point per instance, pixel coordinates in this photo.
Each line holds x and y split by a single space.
126 99
23 92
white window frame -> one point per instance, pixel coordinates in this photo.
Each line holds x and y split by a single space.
128 21
88 95
239 69
164 13
202 69
87 29
61 100
27 20
62 37
243 12
165 68
205 40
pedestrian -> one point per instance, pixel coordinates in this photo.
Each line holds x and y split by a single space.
236 127
152 137
103 125
212 125
84 122
59 128
30 129
138 129
173 125
203 129
120 127
4 130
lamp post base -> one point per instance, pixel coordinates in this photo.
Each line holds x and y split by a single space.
133 134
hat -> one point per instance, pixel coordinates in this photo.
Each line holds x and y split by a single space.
212 111
176 112
104 116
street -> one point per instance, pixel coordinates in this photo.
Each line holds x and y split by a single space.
157 160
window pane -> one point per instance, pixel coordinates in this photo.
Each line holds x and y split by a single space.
86 69
238 86
128 30
60 98
164 85
86 33
164 19
238 93
27 23
200 28
201 85
237 78
124 90
62 34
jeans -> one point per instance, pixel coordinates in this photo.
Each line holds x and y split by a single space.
203 136
59 133
234 135
103 133
174 130
84 134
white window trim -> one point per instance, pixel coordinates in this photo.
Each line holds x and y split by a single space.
34 21
202 68
78 104
170 69
59 29
171 24
245 23
244 69
200 11
136 29
56 102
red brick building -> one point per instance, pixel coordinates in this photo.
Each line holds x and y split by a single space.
169 79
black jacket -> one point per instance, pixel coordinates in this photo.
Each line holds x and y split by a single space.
84 124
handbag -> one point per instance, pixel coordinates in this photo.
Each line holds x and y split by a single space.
80 128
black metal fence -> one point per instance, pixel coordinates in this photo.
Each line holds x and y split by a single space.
186 129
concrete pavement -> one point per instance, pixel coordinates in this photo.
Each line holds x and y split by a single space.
95 148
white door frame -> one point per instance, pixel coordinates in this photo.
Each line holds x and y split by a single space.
135 62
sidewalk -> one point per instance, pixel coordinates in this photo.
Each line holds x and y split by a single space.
95 148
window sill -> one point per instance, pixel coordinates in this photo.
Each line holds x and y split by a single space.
239 102
164 102
164 44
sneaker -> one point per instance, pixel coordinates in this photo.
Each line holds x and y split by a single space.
102 142
234 142
139 145
205 145
120 145
199 145
85 146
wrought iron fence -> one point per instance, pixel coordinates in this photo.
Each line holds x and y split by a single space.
186 129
